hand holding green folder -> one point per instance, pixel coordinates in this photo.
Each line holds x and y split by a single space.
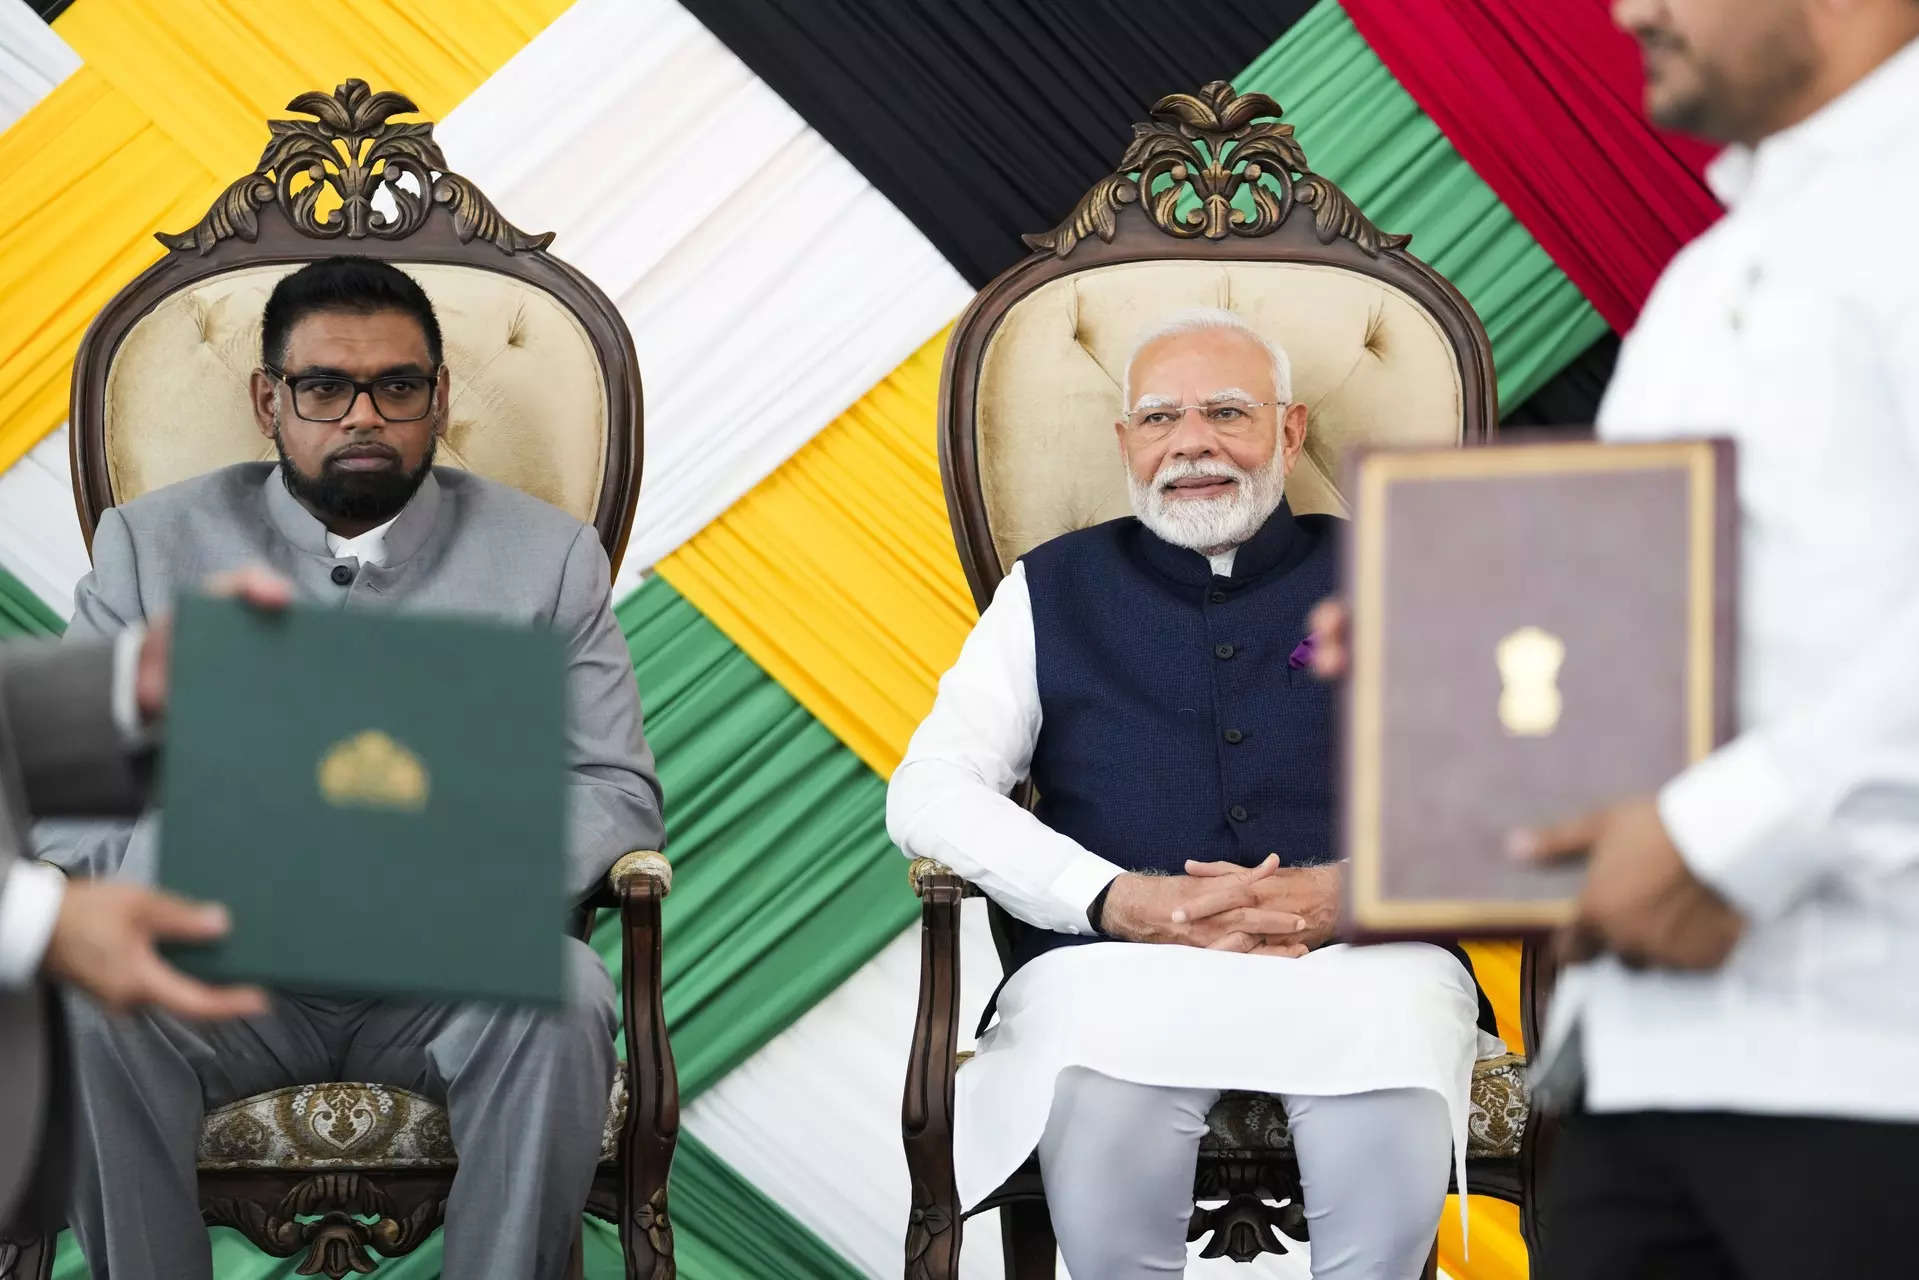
379 799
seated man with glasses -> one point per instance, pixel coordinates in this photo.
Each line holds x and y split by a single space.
352 390
1150 676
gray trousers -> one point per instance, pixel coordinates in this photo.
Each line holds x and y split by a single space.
1118 1163
525 1093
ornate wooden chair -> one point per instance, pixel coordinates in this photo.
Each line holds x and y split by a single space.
546 397
1212 205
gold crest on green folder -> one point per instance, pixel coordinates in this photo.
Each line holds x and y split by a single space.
379 799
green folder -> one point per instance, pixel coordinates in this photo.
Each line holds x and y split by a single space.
379 799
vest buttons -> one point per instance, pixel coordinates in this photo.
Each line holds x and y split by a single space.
1235 737
1223 651
342 575
1237 813
1217 597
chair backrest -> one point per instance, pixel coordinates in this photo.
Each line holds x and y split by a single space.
1211 205
545 385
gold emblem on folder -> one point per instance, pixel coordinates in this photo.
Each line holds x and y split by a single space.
1529 660
371 771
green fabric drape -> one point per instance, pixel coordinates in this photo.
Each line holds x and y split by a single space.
22 613
1365 132
783 879
784 883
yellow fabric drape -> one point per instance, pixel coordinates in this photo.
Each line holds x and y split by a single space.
837 574
167 109
209 72
87 179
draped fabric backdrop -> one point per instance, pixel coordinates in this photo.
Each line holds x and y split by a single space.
790 201
1549 112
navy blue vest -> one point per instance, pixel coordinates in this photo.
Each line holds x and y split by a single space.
1174 723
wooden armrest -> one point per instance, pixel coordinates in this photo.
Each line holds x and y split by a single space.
640 863
923 872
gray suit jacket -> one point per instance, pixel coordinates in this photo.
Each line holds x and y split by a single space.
463 545
60 752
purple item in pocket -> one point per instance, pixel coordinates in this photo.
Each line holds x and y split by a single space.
1302 655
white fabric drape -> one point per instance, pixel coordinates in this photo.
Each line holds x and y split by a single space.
812 1119
32 60
767 284
40 541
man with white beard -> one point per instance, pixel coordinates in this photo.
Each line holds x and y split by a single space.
1150 675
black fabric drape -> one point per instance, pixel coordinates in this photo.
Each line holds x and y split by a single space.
49 9
984 120
1572 398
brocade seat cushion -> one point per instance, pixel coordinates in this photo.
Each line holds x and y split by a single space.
1255 1123
350 1126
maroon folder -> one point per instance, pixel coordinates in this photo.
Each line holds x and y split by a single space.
1538 630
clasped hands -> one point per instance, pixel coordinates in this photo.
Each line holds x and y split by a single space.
1221 906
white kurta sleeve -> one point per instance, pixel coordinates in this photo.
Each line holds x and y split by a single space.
1832 788
949 798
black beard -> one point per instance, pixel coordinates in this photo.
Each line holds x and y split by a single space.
338 494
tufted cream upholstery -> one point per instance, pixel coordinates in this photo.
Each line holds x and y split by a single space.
528 398
1371 364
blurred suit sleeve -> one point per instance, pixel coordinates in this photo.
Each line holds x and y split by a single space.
105 604
613 792
62 751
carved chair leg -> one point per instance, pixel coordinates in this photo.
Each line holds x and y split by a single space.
1026 1239
934 1228
653 1095
1538 975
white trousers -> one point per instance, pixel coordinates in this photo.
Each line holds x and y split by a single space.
1118 1159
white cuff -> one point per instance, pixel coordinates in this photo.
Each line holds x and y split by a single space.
29 906
1079 884
126 691
1737 819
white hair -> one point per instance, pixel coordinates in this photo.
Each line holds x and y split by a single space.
1206 320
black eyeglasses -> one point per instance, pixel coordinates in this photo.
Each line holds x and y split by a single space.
328 397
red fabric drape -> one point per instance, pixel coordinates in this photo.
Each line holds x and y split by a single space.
1542 98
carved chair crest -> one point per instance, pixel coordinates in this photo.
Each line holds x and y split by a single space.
327 174
1190 160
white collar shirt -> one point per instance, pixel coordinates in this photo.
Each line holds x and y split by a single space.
367 548
1792 326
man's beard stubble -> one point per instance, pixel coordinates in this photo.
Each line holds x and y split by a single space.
1731 103
354 495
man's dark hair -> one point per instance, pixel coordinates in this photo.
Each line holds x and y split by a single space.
357 286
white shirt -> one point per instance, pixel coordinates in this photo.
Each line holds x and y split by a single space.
1793 326
30 901
368 548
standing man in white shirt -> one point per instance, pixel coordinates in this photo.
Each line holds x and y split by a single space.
1747 1021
